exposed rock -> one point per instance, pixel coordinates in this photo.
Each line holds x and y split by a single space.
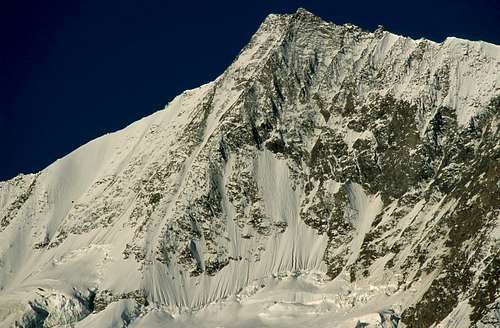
324 156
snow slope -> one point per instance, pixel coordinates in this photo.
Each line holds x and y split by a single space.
330 176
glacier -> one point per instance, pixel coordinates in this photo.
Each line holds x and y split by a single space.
331 176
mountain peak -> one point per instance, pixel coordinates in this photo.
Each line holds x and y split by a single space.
304 12
299 15
347 167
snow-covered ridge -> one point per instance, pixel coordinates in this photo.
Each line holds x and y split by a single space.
320 176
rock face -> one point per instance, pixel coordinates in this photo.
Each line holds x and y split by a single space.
330 175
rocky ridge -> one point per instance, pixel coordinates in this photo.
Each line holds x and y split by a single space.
366 160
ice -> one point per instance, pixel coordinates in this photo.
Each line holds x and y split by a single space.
95 220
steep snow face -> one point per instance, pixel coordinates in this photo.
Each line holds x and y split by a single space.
329 175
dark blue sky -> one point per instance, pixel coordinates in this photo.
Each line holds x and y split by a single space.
74 70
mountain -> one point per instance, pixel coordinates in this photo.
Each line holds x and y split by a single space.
330 177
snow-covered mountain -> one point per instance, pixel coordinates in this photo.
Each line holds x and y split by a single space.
330 177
